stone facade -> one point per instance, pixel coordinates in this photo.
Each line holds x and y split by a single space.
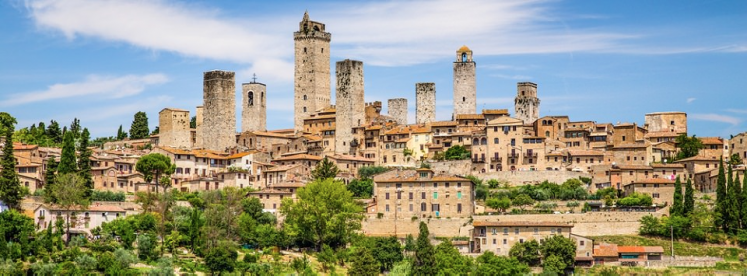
398 110
498 237
253 107
465 84
219 95
738 145
197 139
349 103
675 122
311 87
526 104
174 131
425 102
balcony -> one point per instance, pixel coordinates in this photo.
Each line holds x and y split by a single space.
496 159
513 155
530 155
478 160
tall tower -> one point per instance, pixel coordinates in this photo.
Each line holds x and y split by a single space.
526 104
173 126
349 103
465 92
312 81
425 102
398 110
219 110
253 107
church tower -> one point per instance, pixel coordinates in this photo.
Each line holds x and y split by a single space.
312 77
526 104
254 106
465 91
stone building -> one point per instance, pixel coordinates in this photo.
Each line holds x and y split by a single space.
253 107
499 236
425 102
197 137
465 84
174 131
349 104
675 122
398 110
422 193
311 81
219 121
661 190
526 104
738 145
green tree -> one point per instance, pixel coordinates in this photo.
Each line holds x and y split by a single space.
68 163
500 204
731 215
139 128
50 173
457 152
676 208
721 199
689 146
735 159
221 258
409 243
327 257
362 188
424 262
324 213
386 251
75 128
146 247
53 132
563 248
554 264
735 192
156 131
325 169
743 199
84 162
490 264
450 262
10 187
689 203
69 190
522 201
15 230
527 252
121 135
370 171
153 165
364 263
196 221
193 122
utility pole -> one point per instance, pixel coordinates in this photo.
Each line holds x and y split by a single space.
671 234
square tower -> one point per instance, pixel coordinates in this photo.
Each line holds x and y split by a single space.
526 103
312 78
350 104
425 102
219 111
173 125
398 110
253 107
465 91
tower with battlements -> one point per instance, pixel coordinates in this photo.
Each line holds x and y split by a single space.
219 110
398 110
425 102
465 92
526 104
311 78
349 103
253 107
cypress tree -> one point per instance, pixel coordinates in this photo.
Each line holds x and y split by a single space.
84 162
67 159
743 198
689 203
54 132
732 212
720 219
121 135
425 259
676 209
10 187
49 179
139 128
737 201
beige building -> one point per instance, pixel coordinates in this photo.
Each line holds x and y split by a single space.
499 236
81 221
271 199
738 146
661 190
422 193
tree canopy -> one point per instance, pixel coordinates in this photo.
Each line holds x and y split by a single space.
689 146
457 152
324 170
139 128
10 187
153 165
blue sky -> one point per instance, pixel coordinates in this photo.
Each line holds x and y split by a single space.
609 61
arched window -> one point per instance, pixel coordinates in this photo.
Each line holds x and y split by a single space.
484 141
316 28
464 57
475 141
304 97
495 140
304 109
547 133
250 98
304 50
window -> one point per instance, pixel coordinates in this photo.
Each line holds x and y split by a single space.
655 195
536 230
459 184
423 207
387 208
459 208
410 195
505 230
581 243
505 241
459 195
493 241
422 195
516 231
495 231
387 195
435 185
495 141
435 195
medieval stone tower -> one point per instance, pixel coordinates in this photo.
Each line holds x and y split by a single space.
526 104
425 102
254 107
174 131
349 104
398 110
311 82
219 110
465 92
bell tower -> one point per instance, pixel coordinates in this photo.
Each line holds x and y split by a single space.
312 77
465 92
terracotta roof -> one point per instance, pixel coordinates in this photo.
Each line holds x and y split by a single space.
302 156
521 224
712 140
93 207
403 140
398 130
639 249
605 250
660 165
313 137
351 158
420 129
376 127
319 117
281 168
240 154
174 109
697 158
585 153
661 134
630 146
270 191
443 123
634 167
269 134
495 111
470 117
20 146
289 184
412 176
174 150
653 181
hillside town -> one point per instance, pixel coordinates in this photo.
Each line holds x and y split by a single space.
488 180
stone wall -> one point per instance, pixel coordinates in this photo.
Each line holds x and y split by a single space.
198 127
443 227
425 102
586 224
349 103
311 78
465 86
526 104
253 107
174 131
219 95
463 167
397 109
666 122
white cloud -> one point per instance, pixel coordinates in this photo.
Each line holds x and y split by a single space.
690 100
716 118
740 111
107 86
